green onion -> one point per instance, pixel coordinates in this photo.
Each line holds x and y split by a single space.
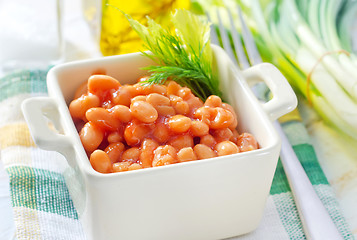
305 39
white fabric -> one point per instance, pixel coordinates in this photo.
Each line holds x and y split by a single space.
57 227
270 226
7 227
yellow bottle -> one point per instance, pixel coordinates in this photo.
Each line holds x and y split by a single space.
117 37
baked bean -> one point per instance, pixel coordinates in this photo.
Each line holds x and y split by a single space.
226 148
235 118
234 124
102 118
182 108
135 132
199 128
100 161
81 90
149 144
166 149
156 99
147 152
179 123
131 154
222 134
246 142
186 154
165 110
121 166
143 111
79 106
101 83
114 151
229 108
203 151
194 103
154 88
204 114
185 93
120 112
91 136
134 166
164 160
174 99
107 104
134 90
164 155
213 101
114 137
138 98
139 88
235 136
208 140
161 133
152 125
122 96
172 88
161 104
181 141
222 118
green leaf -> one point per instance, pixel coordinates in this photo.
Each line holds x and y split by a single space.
183 55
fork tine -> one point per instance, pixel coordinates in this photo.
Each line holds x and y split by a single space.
252 51
214 36
225 39
242 59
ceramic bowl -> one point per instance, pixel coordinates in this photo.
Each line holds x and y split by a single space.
208 199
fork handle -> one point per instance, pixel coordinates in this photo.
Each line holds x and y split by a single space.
315 219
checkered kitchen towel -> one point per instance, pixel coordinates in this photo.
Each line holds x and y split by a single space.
43 208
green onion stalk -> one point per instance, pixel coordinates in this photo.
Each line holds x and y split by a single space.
310 42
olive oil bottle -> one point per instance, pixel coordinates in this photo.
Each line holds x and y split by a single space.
116 35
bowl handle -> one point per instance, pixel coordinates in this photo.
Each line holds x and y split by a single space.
39 112
284 99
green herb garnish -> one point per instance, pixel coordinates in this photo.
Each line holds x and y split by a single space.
184 55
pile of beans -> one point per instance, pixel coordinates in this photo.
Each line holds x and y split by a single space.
128 127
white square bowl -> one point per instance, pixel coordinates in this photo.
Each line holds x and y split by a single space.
206 199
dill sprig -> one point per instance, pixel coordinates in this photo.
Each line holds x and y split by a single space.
183 55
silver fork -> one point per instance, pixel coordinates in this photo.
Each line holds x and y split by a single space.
317 223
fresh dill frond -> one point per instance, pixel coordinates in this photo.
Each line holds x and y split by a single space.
183 55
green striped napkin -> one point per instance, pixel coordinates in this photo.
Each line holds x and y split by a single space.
43 208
